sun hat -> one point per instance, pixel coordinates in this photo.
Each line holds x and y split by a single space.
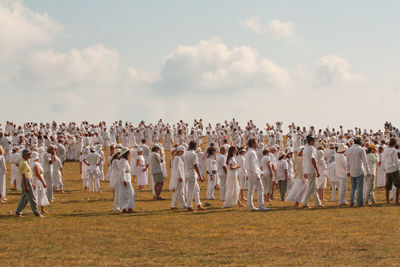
342 148
281 154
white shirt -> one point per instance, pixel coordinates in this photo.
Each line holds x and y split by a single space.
221 163
264 165
281 166
45 162
356 158
93 159
252 163
309 153
390 160
189 160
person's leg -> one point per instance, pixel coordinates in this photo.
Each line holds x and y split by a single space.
250 193
49 183
308 193
360 188
388 187
23 200
210 187
197 194
353 189
160 186
32 198
222 187
97 180
313 182
190 192
372 191
260 192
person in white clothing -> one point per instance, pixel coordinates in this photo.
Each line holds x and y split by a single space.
265 166
141 170
222 172
282 173
3 171
211 165
340 172
192 173
322 168
93 161
126 198
372 159
391 168
178 180
232 182
57 175
310 172
39 183
254 173
243 179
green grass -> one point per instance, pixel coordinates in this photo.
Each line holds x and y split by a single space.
82 230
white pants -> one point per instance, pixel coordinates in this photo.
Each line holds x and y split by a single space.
222 186
342 189
210 186
193 191
312 190
116 196
255 182
94 180
178 196
334 185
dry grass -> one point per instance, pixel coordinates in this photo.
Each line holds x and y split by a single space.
82 230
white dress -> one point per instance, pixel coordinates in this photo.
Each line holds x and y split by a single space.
126 193
141 175
3 170
15 158
232 185
40 191
57 176
299 187
381 179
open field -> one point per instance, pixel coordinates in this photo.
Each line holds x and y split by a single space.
82 230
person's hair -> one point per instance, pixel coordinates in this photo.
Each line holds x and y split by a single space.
282 157
222 149
192 145
251 142
210 151
1 151
143 141
309 139
230 154
369 150
114 157
265 152
155 148
125 155
357 140
392 142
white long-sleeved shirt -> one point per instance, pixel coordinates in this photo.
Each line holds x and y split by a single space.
251 161
179 171
390 160
340 165
221 162
356 159
309 153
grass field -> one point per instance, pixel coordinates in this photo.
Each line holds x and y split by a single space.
82 230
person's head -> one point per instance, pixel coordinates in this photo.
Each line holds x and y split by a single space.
180 150
242 151
222 150
143 141
265 151
140 151
310 140
125 153
252 143
192 145
392 142
281 155
155 149
26 154
357 140
372 149
232 151
211 151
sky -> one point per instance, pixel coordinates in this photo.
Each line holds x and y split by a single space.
320 63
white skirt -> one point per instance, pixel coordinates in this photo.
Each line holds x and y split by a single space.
126 196
298 190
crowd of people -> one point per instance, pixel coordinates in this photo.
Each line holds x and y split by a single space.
236 159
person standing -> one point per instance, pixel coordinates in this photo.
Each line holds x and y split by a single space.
356 159
373 160
178 180
222 172
282 174
232 182
27 193
3 171
49 157
310 172
211 165
254 174
38 181
126 193
93 161
156 161
340 172
391 168
192 173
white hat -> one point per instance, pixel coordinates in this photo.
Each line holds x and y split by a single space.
116 151
342 148
124 150
140 149
180 148
281 154
272 147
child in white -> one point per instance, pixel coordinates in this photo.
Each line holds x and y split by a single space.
178 180
57 175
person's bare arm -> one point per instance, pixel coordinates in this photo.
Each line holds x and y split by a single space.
196 168
314 163
39 176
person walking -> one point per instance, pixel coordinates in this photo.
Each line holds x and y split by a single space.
356 159
27 194
391 168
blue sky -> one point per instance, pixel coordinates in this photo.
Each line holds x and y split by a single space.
332 59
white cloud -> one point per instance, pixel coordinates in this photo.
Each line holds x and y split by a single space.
212 66
22 28
277 28
331 70
283 29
